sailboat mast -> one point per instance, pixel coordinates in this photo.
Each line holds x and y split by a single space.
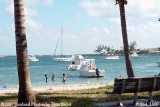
62 42
58 43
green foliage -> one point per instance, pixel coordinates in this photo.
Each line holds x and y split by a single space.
132 46
83 102
8 99
103 49
124 1
100 48
75 102
107 50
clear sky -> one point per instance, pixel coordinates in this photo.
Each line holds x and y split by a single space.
86 24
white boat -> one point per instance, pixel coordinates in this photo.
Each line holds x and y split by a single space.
112 57
88 69
32 58
75 64
61 57
158 63
134 54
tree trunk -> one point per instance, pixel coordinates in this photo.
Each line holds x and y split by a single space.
130 72
25 94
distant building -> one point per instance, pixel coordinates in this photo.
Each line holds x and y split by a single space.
154 50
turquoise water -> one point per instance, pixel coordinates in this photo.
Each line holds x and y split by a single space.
143 66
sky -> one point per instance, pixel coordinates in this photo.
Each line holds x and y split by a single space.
86 24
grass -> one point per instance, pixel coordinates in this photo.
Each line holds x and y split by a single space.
79 98
8 99
74 101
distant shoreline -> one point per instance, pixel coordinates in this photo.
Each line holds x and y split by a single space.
90 54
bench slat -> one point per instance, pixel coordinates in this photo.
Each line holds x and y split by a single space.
136 85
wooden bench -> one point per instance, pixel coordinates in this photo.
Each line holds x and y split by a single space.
135 85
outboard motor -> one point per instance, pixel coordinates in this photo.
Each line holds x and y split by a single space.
97 72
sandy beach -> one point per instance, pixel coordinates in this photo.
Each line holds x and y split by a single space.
50 89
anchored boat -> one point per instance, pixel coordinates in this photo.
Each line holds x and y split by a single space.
88 69
76 62
112 57
32 58
61 57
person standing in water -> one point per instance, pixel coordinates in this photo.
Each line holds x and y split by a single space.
46 77
53 77
63 78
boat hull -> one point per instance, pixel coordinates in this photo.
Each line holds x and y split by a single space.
112 57
73 67
62 59
90 73
34 60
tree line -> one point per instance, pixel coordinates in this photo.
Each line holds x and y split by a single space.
108 50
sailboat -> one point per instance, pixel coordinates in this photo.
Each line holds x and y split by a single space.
61 57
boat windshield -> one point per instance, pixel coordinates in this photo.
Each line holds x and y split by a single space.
89 64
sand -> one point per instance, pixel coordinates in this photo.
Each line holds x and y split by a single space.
46 89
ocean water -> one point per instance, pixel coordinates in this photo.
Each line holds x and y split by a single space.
142 66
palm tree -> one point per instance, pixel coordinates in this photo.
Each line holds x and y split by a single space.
121 3
25 94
